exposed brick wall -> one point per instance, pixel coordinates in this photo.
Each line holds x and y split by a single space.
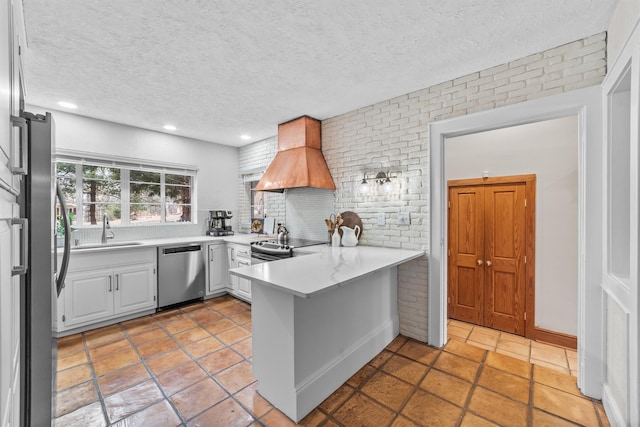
393 136
252 160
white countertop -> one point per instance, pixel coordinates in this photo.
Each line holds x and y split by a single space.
327 267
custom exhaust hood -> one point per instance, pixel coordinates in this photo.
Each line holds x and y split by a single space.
299 161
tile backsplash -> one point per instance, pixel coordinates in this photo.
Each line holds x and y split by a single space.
142 232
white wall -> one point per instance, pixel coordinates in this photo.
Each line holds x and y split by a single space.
217 164
550 150
625 17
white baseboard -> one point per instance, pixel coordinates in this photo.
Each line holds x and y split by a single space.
313 390
611 408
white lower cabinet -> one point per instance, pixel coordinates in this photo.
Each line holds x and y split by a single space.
217 269
239 256
88 297
104 286
135 289
244 285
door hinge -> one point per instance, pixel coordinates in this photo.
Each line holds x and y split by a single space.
154 270
525 203
449 204
525 259
448 252
64 318
448 300
154 297
525 316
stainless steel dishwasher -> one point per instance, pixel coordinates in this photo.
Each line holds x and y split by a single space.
181 273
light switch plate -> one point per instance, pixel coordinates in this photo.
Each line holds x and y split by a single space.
403 218
381 218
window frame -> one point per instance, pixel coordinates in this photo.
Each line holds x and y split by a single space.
126 165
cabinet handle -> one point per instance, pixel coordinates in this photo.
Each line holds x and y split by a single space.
21 169
117 282
488 263
232 254
479 262
110 283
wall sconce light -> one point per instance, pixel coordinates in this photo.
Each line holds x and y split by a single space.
382 179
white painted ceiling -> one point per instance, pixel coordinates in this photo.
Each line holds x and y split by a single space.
219 69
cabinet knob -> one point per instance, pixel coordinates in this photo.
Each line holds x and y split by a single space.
488 263
479 262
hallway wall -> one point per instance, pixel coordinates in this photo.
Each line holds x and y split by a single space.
548 149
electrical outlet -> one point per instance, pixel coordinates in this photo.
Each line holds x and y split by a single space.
381 218
403 218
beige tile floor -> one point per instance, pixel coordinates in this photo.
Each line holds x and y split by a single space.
557 358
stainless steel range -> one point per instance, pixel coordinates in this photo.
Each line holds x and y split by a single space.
271 250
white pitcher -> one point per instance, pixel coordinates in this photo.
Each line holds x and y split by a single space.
350 235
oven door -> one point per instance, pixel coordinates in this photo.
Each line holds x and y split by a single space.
259 257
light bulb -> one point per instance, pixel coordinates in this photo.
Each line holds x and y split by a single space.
364 187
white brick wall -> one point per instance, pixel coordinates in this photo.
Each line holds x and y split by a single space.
253 160
393 135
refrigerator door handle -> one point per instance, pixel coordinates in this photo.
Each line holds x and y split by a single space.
22 169
22 268
67 242
24 248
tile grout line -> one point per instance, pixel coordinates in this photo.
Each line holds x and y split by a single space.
197 361
153 376
231 395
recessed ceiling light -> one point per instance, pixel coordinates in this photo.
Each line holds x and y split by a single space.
170 127
245 137
66 104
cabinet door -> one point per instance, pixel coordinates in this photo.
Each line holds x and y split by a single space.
233 263
135 288
9 316
217 268
88 297
244 285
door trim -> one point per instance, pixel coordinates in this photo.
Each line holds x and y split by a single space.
587 105
529 182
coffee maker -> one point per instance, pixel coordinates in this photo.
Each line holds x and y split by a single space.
217 223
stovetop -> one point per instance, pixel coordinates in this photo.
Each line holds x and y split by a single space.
273 247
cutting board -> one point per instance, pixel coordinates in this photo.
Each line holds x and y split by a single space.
269 225
351 219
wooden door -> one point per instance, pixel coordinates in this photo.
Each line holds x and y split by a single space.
504 207
466 246
490 233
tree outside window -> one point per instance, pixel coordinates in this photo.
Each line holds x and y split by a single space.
126 196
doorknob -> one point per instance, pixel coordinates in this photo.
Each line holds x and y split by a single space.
488 263
479 262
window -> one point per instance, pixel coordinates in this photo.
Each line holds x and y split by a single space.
258 199
128 194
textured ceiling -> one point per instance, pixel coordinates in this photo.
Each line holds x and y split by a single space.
218 69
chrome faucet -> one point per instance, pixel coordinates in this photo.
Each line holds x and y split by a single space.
105 226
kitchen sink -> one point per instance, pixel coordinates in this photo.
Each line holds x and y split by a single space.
104 245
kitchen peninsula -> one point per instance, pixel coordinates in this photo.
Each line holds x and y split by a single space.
317 318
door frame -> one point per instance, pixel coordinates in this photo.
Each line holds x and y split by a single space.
529 181
587 105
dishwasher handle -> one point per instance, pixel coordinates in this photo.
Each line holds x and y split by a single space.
181 249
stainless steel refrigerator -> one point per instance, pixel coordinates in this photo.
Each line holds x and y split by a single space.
43 279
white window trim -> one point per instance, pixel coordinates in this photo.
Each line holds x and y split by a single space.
125 164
